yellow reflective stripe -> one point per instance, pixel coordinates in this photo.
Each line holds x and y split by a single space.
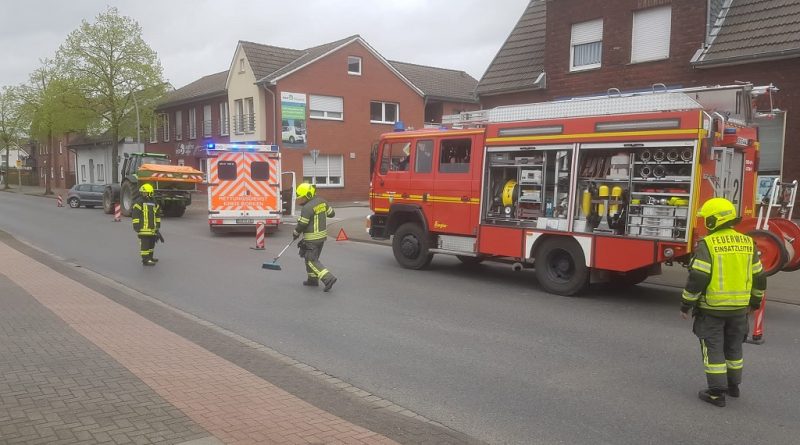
315 235
313 269
135 220
757 293
691 132
701 265
322 273
735 364
757 267
711 368
302 220
720 274
688 296
431 198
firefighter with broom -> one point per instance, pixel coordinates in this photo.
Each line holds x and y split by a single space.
312 225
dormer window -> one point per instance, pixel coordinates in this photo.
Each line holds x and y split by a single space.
241 65
354 65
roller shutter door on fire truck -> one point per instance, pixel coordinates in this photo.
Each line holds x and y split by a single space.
243 181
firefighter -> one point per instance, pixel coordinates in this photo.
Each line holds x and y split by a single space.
725 280
146 219
312 225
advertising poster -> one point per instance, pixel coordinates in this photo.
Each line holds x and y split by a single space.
293 116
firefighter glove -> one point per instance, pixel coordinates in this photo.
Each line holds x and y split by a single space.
295 235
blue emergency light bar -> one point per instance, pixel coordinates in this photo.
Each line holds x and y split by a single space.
250 148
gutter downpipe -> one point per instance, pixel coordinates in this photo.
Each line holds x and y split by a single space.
274 112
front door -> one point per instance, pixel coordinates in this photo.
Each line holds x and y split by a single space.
455 200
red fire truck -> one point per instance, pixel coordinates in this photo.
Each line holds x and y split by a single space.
582 190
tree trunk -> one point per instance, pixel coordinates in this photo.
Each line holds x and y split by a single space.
114 154
48 186
8 168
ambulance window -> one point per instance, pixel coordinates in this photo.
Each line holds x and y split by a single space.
259 171
454 155
424 157
395 157
226 170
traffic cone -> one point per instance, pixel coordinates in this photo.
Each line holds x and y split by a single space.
757 336
260 232
59 201
117 212
342 236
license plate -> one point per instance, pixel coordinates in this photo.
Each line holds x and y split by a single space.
245 221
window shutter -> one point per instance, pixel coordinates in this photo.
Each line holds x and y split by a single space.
587 32
651 34
335 165
326 103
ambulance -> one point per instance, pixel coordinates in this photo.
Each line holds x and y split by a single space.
244 185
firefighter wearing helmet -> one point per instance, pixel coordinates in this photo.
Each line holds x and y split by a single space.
146 219
725 280
312 225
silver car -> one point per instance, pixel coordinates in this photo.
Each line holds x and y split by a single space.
88 195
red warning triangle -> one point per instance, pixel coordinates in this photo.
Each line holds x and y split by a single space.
342 236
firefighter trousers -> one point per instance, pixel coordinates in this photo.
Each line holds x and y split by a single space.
311 251
147 245
721 341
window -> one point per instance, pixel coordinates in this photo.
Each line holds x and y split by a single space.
651 33
224 126
206 121
586 45
154 130
165 127
455 155
395 157
238 123
259 171
326 107
354 65
181 162
328 171
83 172
101 173
52 172
424 157
98 188
226 170
241 65
61 169
178 125
61 151
383 112
204 167
192 123
250 115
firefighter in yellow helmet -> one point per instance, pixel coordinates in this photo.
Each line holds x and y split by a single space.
146 219
725 280
312 225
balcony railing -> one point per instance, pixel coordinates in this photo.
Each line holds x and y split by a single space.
244 123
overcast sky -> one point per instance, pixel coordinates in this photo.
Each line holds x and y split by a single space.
194 38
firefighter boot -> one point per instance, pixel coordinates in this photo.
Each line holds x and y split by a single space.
311 281
329 283
714 397
733 390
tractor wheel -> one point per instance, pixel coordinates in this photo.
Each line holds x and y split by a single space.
561 266
772 249
127 194
178 209
411 246
108 201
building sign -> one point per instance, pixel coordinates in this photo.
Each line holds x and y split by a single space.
293 119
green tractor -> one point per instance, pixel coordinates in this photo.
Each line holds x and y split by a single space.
173 184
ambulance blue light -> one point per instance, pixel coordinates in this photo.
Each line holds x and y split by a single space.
210 146
399 126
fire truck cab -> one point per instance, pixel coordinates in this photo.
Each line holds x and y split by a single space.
583 190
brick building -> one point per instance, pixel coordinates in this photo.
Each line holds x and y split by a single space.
568 48
52 162
324 106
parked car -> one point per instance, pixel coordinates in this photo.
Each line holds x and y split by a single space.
292 134
88 195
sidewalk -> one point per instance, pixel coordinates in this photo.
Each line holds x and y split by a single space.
85 360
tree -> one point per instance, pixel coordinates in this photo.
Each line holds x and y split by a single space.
53 105
110 62
11 123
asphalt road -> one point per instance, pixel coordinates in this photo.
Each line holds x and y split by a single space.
481 350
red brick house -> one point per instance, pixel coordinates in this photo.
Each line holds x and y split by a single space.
324 106
562 49
52 163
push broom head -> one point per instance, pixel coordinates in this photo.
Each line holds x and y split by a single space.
273 265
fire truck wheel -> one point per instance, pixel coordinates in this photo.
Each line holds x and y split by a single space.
469 260
561 267
411 246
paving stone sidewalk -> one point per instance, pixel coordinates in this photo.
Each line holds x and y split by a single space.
83 360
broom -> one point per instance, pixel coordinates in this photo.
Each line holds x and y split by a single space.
274 264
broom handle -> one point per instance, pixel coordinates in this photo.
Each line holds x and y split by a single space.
284 249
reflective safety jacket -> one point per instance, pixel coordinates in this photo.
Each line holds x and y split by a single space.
725 275
146 217
312 222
